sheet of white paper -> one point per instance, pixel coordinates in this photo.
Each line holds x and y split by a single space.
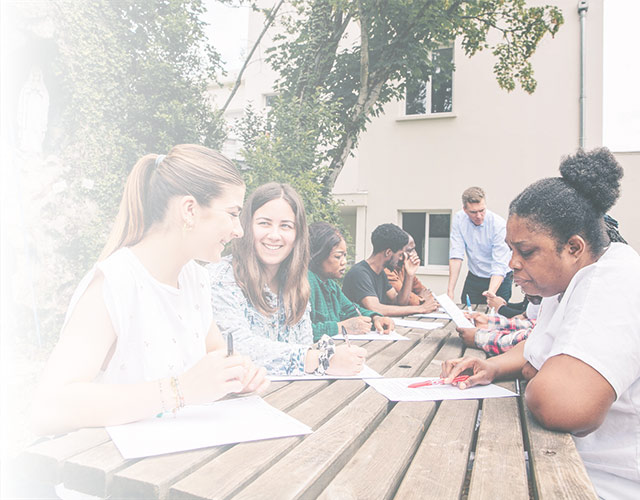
407 323
396 389
456 314
365 373
437 315
373 336
224 422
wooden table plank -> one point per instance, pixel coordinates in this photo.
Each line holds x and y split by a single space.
321 455
91 472
499 451
224 476
153 476
556 466
439 467
390 447
45 459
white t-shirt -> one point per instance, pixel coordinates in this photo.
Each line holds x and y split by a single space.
597 320
161 329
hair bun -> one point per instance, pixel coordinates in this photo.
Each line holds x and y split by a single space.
595 175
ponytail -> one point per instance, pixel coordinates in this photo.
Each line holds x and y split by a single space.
187 169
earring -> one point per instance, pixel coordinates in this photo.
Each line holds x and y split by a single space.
188 225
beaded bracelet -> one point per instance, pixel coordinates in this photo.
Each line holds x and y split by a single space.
177 393
163 403
327 349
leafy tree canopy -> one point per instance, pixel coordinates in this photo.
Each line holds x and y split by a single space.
358 54
125 79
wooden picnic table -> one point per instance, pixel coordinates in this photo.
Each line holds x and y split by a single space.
363 446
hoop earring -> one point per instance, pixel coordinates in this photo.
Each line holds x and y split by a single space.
187 225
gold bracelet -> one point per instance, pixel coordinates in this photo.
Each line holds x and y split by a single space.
177 392
162 401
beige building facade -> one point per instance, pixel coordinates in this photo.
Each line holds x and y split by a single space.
413 162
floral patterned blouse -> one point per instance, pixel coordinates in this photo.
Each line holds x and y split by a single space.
281 349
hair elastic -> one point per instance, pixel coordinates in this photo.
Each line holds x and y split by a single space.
159 159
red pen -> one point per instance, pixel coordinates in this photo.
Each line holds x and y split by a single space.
460 378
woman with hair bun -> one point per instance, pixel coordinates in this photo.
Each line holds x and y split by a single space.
139 337
330 308
582 358
261 293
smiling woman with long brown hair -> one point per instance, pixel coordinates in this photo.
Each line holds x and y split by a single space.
261 294
583 356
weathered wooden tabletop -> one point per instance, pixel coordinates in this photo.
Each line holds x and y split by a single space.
363 446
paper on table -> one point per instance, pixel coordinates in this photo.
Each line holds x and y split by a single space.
373 336
365 373
396 389
437 315
224 422
417 324
456 314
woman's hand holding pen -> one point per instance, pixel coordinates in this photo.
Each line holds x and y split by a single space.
255 379
217 375
347 360
483 372
356 325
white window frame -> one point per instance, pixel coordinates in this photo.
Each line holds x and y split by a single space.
441 269
403 116
265 98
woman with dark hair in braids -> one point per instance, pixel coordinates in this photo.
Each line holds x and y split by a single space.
330 308
583 357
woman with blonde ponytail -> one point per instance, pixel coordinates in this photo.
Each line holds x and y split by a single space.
139 337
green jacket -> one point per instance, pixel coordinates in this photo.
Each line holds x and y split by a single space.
329 306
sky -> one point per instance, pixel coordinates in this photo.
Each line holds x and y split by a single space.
621 97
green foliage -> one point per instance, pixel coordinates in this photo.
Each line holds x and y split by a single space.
395 39
286 146
131 79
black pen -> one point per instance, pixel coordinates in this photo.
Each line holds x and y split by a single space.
229 344
346 337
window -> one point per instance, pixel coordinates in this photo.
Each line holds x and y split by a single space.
436 96
430 231
270 100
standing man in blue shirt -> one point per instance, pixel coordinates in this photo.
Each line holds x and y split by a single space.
480 233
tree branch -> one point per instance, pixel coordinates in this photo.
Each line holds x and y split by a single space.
267 25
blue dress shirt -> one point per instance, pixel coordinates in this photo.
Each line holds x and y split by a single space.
488 253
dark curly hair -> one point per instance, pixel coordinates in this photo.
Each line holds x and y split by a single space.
388 236
576 202
322 238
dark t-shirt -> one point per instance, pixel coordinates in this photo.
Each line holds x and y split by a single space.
361 281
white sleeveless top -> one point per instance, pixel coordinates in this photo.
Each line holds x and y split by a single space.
161 330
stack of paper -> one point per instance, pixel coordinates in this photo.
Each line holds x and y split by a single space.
397 389
365 373
417 324
452 310
373 336
224 422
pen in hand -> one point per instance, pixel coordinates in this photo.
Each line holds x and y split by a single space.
460 378
470 309
229 344
346 336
